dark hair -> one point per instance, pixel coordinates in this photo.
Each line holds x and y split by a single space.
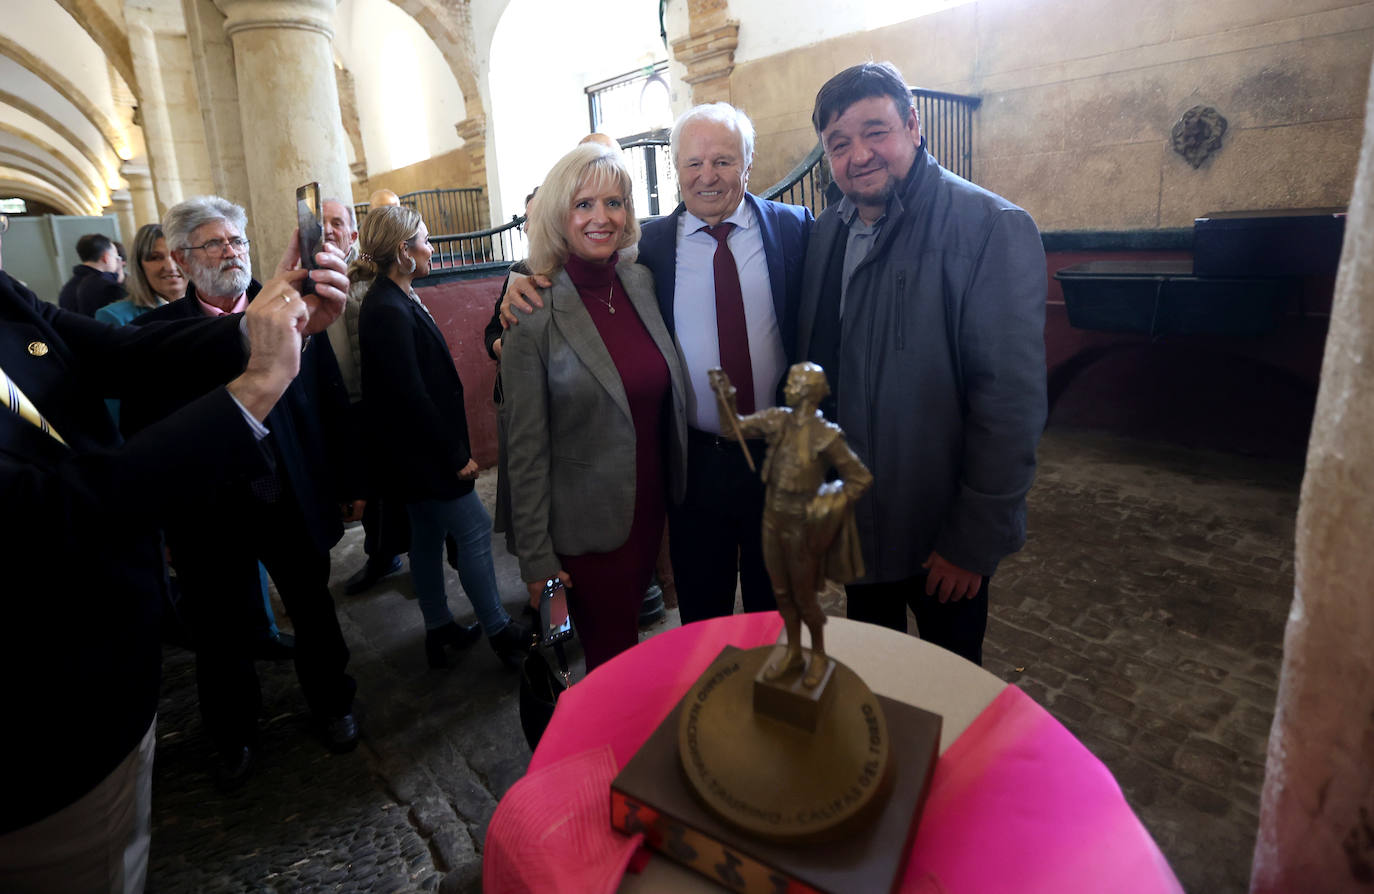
861 82
529 198
92 246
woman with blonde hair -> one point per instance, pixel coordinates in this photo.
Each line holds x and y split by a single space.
153 279
418 430
596 406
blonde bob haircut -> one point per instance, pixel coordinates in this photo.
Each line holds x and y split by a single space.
589 166
384 228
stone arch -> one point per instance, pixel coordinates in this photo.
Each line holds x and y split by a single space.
108 33
68 91
449 25
98 187
41 168
57 127
23 185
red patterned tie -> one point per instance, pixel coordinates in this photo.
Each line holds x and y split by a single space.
731 327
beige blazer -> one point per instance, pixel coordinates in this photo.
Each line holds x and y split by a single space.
570 437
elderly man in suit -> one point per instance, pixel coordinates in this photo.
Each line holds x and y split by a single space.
727 274
288 519
80 645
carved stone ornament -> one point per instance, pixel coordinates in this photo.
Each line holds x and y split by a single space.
1198 134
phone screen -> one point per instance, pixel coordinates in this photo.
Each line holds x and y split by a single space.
553 613
311 232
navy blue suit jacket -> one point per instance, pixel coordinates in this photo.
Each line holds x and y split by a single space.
78 536
785 231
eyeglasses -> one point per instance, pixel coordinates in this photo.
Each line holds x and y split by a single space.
4 222
217 246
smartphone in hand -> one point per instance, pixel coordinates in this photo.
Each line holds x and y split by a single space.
311 235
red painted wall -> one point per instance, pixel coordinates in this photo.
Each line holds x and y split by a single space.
462 309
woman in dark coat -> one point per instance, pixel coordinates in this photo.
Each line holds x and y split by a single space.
418 430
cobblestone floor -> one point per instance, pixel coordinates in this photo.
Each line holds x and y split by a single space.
1146 614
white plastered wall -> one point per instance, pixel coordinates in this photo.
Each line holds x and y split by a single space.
408 99
812 21
544 53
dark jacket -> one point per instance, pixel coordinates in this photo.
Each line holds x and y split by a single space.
941 370
417 425
94 292
78 538
495 330
310 440
66 299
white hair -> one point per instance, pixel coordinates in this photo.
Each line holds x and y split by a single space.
184 218
719 113
348 207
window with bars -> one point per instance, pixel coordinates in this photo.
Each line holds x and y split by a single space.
634 108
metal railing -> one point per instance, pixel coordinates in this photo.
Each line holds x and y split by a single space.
947 123
805 184
461 210
652 172
501 246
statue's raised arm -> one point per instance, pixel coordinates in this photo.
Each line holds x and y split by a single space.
729 414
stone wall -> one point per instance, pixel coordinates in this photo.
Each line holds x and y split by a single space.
1079 101
448 171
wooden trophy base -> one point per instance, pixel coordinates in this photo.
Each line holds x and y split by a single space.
808 764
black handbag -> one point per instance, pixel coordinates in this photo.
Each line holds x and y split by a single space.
540 688
540 685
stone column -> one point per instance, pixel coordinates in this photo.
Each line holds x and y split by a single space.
217 89
289 110
152 115
473 130
141 193
123 206
708 50
1317 809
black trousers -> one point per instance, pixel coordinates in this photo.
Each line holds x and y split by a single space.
957 626
386 530
715 537
216 561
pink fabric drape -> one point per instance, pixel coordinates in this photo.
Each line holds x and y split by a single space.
1017 804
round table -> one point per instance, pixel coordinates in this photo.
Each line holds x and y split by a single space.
1016 802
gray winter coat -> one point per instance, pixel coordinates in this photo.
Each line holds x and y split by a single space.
942 371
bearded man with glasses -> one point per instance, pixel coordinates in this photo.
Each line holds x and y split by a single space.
288 519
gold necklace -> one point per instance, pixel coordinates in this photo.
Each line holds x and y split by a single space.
607 300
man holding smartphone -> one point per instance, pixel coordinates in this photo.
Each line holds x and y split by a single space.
80 643
288 519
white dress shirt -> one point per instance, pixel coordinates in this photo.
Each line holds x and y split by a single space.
694 312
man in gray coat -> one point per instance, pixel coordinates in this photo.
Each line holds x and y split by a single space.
924 300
